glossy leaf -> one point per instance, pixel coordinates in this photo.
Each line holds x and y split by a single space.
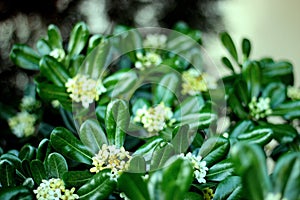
249 162
236 106
276 92
99 187
258 135
43 150
38 171
192 196
288 110
252 75
117 121
76 178
229 189
13 159
241 127
286 176
214 149
7 175
220 171
277 71
246 48
54 37
19 192
56 165
68 145
228 64
137 164
27 152
43 47
165 90
182 139
229 45
54 71
125 86
189 106
92 135
133 186
94 41
25 57
78 39
161 155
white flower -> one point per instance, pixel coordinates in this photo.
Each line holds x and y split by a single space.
29 103
293 93
123 196
199 166
84 89
154 119
22 124
272 196
54 189
156 41
150 59
194 82
58 54
261 108
111 157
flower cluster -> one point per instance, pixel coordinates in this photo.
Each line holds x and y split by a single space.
84 89
156 41
150 59
195 82
111 157
29 103
261 108
22 124
154 118
199 166
293 93
54 189
208 194
272 196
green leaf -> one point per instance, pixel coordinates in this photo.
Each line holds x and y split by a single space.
54 71
78 39
236 106
192 196
198 120
249 162
38 171
137 164
43 47
117 121
229 189
133 186
43 150
139 103
276 92
52 92
277 71
161 155
220 171
214 149
241 127
289 110
15 193
75 64
92 135
125 86
246 48
240 87
100 186
76 178
27 152
97 61
229 45
8 172
54 37
283 133
13 159
286 176
94 41
182 139
190 105
252 74
68 145
228 64
258 135
172 182
56 165
165 90
25 57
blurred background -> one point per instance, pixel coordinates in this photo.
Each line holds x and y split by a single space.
273 26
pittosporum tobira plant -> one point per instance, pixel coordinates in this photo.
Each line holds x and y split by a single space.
142 114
